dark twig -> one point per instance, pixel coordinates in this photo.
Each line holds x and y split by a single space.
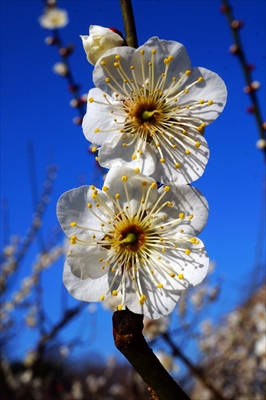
129 340
129 23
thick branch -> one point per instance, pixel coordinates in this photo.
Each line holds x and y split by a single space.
128 338
129 23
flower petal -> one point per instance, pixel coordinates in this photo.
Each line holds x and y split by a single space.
212 88
158 303
85 290
99 75
134 187
189 201
121 152
190 166
99 123
87 262
73 207
164 49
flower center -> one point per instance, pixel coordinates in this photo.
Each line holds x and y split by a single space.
149 115
133 238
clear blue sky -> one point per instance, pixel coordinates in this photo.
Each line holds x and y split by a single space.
35 106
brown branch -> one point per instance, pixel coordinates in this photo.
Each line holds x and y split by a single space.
129 340
45 339
129 23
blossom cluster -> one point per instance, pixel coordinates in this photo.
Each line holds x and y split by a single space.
136 238
236 348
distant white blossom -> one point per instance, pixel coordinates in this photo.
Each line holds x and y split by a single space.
53 18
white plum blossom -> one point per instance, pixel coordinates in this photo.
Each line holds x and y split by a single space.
53 18
134 239
150 108
100 40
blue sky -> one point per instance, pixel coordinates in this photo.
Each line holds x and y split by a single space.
35 107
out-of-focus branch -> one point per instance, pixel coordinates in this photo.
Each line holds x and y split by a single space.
129 340
196 371
33 230
129 23
64 70
45 339
251 88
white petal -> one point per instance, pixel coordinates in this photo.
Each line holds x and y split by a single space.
158 303
134 187
100 117
115 153
85 290
212 88
99 73
190 201
164 48
72 206
85 262
192 165
193 266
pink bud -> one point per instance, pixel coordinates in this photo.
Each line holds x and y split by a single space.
73 88
237 24
250 109
250 67
66 51
234 49
50 40
77 120
223 9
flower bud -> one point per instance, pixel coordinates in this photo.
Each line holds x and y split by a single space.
234 49
60 69
261 144
99 41
236 24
